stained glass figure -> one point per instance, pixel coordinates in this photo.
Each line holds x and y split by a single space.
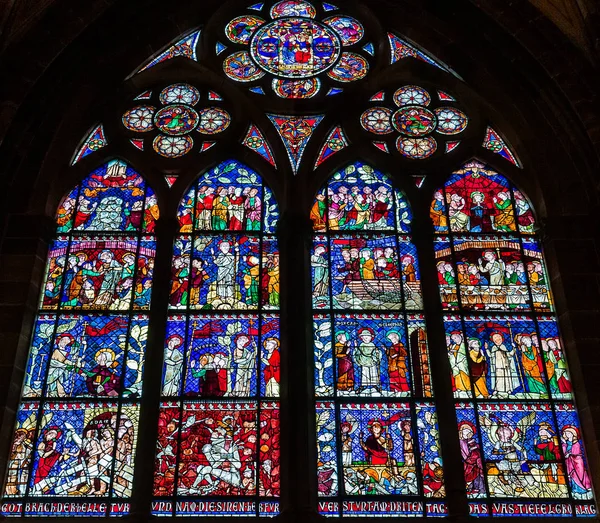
350 68
295 133
77 429
296 89
94 141
219 421
295 50
240 67
241 28
186 47
377 431
415 119
276 51
350 30
494 143
255 141
516 422
175 120
335 142
288 8
138 144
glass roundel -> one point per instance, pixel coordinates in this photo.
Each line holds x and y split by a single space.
293 8
241 28
416 148
240 67
411 95
295 48
451 120
176 120
180 94
414 121
377 120
350 68
213 120
296 89
139 119
349 29
172 146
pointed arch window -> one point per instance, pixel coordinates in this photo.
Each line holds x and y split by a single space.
518 427
77 425
377 433
219 420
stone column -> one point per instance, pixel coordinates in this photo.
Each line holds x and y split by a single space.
456 496
166 228
298 426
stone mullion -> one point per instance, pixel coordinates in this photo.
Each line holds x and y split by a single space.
298 426
166 230
423 237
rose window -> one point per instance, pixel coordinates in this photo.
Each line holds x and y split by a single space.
302 46
173 125
419 125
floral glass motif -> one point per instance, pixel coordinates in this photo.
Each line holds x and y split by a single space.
77 425
416 121
180 115
94 141
256 142
296 48
295 133
377 432
185 47
494 143
219 419
518 429
335 142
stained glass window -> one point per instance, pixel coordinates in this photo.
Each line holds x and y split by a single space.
218 435
519 432
294 47
415 123
377 434
77 425
177 111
